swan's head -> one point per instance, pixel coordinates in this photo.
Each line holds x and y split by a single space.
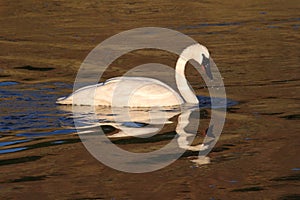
205 60
200 54
206 66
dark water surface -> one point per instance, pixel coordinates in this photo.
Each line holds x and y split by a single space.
31 119
29 114
256 47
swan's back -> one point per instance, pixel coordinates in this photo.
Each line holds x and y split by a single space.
125 92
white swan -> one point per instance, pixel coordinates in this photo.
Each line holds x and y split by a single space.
142 91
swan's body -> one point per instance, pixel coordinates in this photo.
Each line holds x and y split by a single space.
126 91
142 91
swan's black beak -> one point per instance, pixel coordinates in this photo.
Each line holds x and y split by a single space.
206 66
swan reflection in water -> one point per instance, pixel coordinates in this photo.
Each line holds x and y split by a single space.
128 123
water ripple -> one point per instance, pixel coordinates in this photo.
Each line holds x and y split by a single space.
31 119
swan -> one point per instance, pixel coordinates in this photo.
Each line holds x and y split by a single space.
142 91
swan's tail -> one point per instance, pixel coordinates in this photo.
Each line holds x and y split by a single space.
64 100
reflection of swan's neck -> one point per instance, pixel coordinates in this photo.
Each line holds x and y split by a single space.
181 81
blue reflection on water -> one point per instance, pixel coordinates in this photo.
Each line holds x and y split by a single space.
2 144
8 83
3 151
28 112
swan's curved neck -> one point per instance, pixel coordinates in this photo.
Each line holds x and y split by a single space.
181 81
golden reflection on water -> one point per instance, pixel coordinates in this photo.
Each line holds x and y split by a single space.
255 46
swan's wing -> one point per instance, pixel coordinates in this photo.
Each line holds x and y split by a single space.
143 92
125 91
116 80
85 93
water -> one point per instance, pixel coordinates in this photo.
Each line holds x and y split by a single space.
255 45
29 115
31 119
